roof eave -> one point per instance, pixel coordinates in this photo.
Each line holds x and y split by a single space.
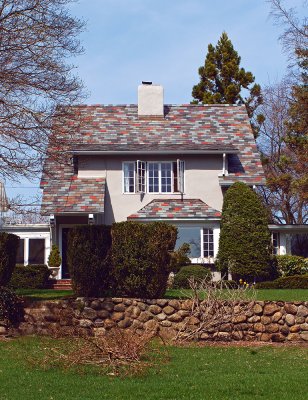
149 152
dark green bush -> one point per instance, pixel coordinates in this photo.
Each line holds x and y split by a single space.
10 306
141 258
197 272
244 244
286 282
30 277
88 259
54 259
8 250
289 265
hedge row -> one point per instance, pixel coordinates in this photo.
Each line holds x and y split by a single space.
286 282
8 250
128 259
30 277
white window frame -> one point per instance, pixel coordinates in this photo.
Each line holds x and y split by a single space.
203 229
123 176
141 180
277 253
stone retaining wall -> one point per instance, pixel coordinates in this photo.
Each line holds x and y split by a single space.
262 321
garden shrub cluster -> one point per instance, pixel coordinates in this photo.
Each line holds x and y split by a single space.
198 272
10 305
30 277
286 282
8 250
127 259
140 258
289 265
88 258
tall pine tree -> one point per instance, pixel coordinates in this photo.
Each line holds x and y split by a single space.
222 80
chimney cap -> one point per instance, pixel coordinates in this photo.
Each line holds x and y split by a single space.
147 82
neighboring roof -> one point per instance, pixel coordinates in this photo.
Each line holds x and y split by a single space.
176 209
77 195
293 228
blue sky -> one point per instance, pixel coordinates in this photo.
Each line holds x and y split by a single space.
165 41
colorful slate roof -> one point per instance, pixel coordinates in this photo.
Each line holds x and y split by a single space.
77 195
176 209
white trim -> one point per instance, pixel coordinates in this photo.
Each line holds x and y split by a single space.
123 177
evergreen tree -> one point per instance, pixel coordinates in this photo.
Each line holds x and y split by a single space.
222 80
244 244
54 259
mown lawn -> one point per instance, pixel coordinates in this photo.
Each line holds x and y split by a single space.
266 372
261 294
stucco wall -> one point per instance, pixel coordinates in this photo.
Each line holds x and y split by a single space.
201 182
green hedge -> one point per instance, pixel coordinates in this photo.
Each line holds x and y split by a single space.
10 306
286 282
88 259
289 265
8 250
190 271
141 258
30 277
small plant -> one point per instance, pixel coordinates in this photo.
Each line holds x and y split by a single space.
182 278
10 306
179 257
54 259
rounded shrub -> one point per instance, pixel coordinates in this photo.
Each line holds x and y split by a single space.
197 272
54 259
8 250
30 277
88 259
244 244
141 258
10 306
289 265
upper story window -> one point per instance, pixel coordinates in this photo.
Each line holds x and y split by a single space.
153 176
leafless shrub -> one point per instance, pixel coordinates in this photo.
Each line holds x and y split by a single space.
116 352
212 305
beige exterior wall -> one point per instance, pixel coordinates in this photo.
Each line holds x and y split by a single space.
201 182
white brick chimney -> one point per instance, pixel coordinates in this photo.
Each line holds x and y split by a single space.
150 100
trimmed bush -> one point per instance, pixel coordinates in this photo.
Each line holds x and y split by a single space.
54 259
10 306
30 277
289 265
88 259
197 272
286 282
8 250
244 244
141 258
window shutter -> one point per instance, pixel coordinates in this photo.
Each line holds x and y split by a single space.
180 168
140 176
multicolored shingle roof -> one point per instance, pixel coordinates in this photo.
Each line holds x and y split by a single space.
77 195
118 128
176 209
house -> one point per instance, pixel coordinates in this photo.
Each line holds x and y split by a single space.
151 162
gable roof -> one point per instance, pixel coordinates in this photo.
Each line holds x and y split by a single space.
176 209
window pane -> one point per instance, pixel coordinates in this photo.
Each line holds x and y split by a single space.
153 177
36 251
208 243
166 173
190 235
129 177
20 252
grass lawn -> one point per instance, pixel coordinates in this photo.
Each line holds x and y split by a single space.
203 373
262 294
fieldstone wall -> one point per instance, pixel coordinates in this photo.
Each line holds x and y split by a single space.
262 321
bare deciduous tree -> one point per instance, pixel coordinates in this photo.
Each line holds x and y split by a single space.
37 37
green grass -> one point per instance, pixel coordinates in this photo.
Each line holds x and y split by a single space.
206 373
261 294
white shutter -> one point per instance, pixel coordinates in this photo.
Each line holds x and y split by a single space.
140 176
180 171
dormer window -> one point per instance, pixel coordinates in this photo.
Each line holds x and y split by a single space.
157 177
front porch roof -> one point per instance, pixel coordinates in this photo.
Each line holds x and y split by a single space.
176 209
77 195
